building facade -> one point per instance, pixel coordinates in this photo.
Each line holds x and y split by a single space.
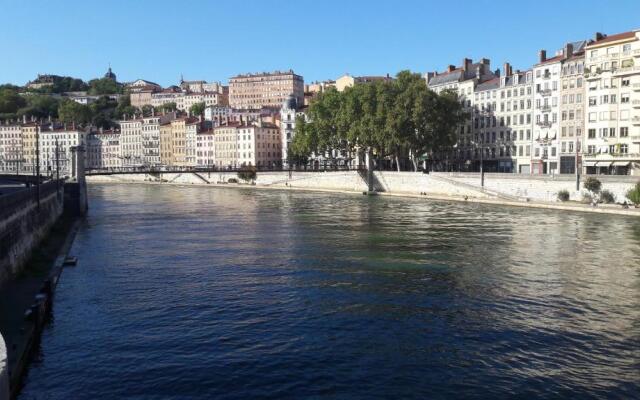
612 104
255 91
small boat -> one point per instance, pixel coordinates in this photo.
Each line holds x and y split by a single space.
70 261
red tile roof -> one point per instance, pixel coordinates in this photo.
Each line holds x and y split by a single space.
613 38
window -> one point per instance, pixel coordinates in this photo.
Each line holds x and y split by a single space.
624 131
593 100
592 133
624 148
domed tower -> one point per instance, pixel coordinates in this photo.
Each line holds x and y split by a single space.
110 74
287 125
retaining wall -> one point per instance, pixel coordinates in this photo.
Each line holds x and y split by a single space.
542 187
4 371
513 186
23 224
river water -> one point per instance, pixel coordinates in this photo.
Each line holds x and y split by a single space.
192 292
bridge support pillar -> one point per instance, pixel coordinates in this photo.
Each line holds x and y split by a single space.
77 189
369 170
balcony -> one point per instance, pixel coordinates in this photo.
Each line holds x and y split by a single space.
544 124
635 138
545 108
635 120
626 70
546 75
544 92
635 103
636 86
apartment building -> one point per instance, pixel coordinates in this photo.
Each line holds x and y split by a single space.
347 80
288 114
502 122
241 145
205 148
55 143
11 150
131 142
612 104
103 150
463 81
572 107
166 143
255 91
151 141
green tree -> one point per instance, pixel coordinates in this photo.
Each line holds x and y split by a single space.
147 110
39 106
634 194
70 111
10 101
197 109
593 185
104 86
168 107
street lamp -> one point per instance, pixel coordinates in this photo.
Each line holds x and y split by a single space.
478 146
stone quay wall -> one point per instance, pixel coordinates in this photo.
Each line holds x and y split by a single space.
513 187
4 371
23 224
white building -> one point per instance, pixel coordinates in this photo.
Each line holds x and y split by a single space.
502 122
248 145
463 81
103 150
11 151
151 141
546 80
131 142
55 143
288 114
205 148
612 72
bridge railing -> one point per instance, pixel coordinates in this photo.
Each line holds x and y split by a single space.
158 170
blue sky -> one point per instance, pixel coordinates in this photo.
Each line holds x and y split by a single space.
321 39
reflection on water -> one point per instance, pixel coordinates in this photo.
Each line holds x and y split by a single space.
186 292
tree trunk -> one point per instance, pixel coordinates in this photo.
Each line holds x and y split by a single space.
414 161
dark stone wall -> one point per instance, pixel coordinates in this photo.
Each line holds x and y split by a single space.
24 222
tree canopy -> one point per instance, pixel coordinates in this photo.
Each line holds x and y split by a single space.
197 109
398 118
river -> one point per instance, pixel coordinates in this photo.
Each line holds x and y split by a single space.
195 292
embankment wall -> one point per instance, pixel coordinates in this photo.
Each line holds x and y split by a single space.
24 223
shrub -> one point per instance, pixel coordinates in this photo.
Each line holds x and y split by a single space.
247 174
634 194
587 198
232 180
563 195
592 184
607 197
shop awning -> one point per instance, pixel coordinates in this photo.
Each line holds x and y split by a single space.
604 163
621 163
590 163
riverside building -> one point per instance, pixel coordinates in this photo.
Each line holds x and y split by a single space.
612 103
463 81
255 91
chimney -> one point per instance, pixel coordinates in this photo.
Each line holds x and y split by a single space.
599 36
497 72
451 68
542 56
507 69
466 64
568 50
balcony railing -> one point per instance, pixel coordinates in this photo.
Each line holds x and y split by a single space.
544 124
544 92
627 70
546 75
636 86
635 120
546 108
635 103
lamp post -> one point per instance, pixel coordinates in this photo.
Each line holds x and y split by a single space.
478 146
